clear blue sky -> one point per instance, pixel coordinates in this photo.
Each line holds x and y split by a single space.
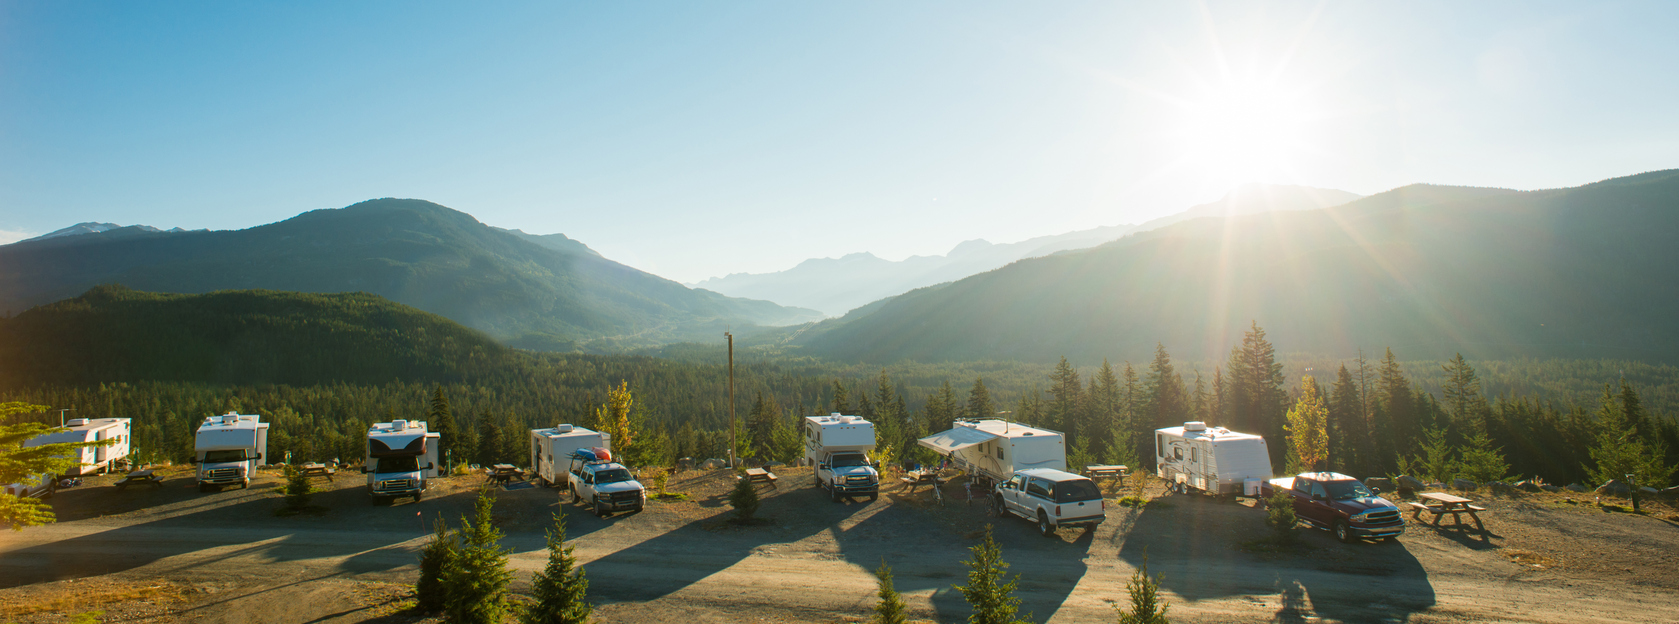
694 139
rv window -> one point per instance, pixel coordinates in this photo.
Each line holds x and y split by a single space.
1160 445
1194 454
1177 453
999 450
215 457
398 464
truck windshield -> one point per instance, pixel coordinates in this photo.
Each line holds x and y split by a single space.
216 457
612 476
1075 491
1347 490
841 461
398 464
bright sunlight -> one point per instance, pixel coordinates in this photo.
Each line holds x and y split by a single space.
1244 132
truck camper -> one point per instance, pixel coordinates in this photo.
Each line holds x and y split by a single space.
839 445
551 450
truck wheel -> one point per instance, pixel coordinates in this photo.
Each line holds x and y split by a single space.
417 496
874 496
600 510
1001 509
833 493
1044 525
576 498
203 487
245 485
1344 532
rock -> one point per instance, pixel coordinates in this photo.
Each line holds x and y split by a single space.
713 464
1464 484
1648 491
1527 485
1575 487
1615 487
686 463
1501 487
1379 484
774 464
1552 489
1411 483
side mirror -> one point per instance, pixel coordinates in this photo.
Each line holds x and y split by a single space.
821 466
430 466
259 456
1375 490
194 461
364 470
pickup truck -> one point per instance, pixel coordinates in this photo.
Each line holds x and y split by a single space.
1339 503
1052 497
605 485
848 473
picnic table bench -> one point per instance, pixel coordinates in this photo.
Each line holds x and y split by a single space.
317 469
138 477
759 475
914 479
1107 472
502 473
1441 503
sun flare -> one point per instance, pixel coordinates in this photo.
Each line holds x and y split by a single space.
1244 132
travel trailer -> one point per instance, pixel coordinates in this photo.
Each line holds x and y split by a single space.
1213 460
551 450
401 456
995 449
228 449
839 445
91 459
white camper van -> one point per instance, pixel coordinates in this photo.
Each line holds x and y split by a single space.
551 450
839 445
90 459
1213 460
401 456
995 449
228 449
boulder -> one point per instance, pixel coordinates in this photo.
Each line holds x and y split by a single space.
1379 484
1552 489
1528 485
686 463
1615 487
1501 487
1464 484
1575 487
1411 483
713 464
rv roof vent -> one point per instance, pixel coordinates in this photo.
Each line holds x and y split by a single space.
230 418
76 422
835 414
1195 426
562 428
845 420
399 425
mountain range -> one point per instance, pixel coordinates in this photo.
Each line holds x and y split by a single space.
1426 270
541 292
837 285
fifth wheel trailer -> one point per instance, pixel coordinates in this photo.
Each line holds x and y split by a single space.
1214 460
995 449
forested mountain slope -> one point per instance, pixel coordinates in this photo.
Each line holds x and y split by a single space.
1426 270
537 292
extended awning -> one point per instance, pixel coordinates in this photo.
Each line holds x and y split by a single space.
956 439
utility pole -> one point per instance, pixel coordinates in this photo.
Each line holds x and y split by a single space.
732 438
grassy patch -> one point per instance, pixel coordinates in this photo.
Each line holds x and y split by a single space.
78 596
670 496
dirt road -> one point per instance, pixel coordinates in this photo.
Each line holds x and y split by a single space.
680 562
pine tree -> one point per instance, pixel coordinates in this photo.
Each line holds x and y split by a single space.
477 584
891 608
1463 396
1398 405
20 465
988 591
841 406
1279 515
561 589
1620 451
979 402
1200 401
430 593
441 420
760 426
490 443
1165 401
1258 401
1308 436
744 498
1147 607
298 488
1482 462
1066 394
1434 462
942 408
1349 440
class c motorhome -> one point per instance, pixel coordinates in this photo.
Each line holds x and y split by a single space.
228 449
996 449
401 456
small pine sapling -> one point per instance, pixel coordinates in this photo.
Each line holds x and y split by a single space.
560 589
1147 607
298 488
891 608
476 586
988 591
1279 514
744 498
438 555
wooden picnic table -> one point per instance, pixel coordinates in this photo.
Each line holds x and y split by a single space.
760 475
317 469
1442 504
502 473
917 478
1107 472
138 477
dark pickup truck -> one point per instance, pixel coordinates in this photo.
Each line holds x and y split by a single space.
1334 501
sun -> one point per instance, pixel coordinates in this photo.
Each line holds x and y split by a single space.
1239 132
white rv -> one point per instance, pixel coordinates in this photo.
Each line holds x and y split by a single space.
995 448
839 445
551 450
1214 460
401 456
90 459
228 449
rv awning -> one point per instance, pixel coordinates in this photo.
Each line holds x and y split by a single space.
956 439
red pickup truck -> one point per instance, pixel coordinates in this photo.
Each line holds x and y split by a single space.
1334 501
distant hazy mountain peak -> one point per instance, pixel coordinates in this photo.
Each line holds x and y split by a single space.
90 227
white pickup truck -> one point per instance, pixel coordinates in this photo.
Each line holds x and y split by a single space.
1052 497
607 486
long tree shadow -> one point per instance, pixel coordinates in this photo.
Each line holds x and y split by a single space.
1197 547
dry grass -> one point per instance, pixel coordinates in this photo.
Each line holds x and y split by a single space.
1530 559
89 594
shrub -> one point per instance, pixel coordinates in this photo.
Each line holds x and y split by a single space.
1279 514
744 498
438 555
890 609
560 589
298 488
987 591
